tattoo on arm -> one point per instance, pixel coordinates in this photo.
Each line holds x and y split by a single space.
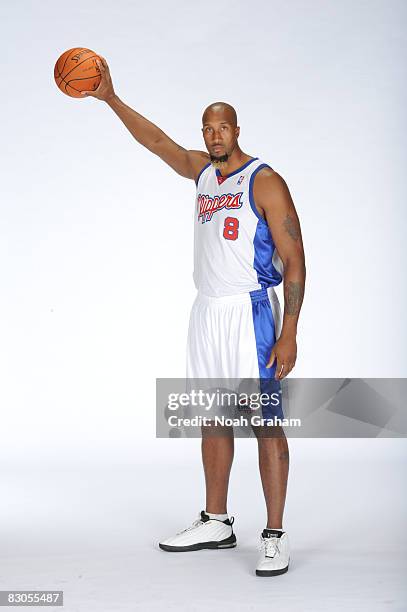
293 297
291 227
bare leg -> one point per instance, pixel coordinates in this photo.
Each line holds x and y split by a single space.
217 457
273 464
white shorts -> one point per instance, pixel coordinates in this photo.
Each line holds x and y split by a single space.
232 336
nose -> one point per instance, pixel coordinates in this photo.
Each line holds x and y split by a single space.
217 139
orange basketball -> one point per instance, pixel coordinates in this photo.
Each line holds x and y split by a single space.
76 70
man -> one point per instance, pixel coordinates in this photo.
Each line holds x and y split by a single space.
247 234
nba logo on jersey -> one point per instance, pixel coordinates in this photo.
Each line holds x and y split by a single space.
240 181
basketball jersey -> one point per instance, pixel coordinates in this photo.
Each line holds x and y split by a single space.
234 251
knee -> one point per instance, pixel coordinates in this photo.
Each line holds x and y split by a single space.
214 430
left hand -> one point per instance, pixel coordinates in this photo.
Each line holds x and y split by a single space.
285 351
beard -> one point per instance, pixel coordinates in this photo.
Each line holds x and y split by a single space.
219 161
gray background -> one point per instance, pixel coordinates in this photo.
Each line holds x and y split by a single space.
96 252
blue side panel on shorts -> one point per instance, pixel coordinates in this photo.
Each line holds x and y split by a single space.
264 331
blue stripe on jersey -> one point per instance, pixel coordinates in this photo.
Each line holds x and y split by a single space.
264 247
238 170
264 331
199 175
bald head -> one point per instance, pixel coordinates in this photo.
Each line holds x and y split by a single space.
218 109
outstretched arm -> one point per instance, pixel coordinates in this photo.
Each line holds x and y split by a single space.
274 202
185 162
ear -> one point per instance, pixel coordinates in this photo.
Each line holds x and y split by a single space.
237 131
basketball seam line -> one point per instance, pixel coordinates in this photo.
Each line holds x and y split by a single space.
67 84
66 59
80 63
78 79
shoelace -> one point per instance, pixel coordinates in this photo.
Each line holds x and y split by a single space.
195 524
269 546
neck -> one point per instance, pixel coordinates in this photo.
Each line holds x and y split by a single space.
236 159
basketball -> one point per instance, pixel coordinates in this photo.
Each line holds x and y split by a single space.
76 70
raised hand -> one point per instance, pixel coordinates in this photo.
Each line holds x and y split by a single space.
105 90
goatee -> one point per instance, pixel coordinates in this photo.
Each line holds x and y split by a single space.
219 161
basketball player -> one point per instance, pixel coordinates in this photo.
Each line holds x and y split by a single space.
247 234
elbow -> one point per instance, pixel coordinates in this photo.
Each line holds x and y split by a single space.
296 264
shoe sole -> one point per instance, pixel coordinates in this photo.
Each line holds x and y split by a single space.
271 572
227 543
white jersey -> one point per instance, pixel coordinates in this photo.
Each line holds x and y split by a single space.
234 251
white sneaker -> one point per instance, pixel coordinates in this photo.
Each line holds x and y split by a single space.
203 533
275 555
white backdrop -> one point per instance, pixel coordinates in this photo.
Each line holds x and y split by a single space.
96 232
